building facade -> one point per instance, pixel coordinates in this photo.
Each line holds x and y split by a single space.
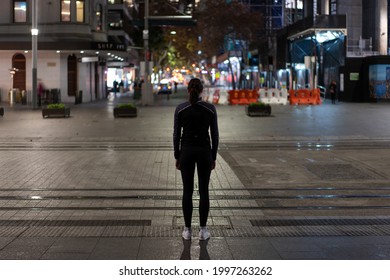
331 34
74 47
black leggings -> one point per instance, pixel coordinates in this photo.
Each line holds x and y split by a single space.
201 157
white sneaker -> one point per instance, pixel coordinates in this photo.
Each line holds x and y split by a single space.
187 233
204 233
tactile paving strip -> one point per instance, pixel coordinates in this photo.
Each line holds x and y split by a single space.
65 223
259 228
320 222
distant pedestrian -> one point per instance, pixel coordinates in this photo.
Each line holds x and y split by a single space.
40 91
115 87
121 87
193 147
333 90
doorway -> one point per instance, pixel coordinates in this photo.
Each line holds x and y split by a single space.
19 79
72 75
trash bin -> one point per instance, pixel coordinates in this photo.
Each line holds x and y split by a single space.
55 95
11 97
79 97
24 97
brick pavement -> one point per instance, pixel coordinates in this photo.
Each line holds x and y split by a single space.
96 187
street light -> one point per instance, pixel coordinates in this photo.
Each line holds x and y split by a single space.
147 95
34 39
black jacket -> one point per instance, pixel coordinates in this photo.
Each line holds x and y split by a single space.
191 127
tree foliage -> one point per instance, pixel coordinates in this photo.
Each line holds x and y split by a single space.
223 25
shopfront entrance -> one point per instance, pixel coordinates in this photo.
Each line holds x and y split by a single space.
19 78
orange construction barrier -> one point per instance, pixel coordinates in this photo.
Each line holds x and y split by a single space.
242 96
252 96
243 100
317 96
233 97
305 97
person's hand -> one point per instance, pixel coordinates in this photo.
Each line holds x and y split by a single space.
177 164
212 164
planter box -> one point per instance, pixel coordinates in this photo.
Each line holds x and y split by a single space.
258 111
47 113
1 111
125 112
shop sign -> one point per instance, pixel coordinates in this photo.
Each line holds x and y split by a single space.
90 59
109 47
354 76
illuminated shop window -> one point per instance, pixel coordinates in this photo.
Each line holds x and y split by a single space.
65 10
80 11
20 11
294 4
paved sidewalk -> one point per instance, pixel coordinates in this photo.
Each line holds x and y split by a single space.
310 182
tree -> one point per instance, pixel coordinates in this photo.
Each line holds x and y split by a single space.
167 50
225 27
221 27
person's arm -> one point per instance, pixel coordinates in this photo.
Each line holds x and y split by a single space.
176 135
214 133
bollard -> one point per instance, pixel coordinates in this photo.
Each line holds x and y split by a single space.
11 97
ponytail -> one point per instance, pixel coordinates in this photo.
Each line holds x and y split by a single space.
195 89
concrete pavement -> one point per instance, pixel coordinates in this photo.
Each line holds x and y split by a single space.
309 182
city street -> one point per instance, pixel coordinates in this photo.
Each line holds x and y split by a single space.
308 182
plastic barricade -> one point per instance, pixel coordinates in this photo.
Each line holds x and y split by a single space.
216 96
305 97
283 97
242 97
273 96
252 96
233 97
263 96
316 96
223 97
273 93
292 97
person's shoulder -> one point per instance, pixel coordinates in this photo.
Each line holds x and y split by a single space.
208 106
183 106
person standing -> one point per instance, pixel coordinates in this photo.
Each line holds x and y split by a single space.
194 122
115 87
175 84
41 89
332 90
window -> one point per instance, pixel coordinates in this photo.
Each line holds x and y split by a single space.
20 11
65 10
99 18
333 7
300 4
294 4
80 11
